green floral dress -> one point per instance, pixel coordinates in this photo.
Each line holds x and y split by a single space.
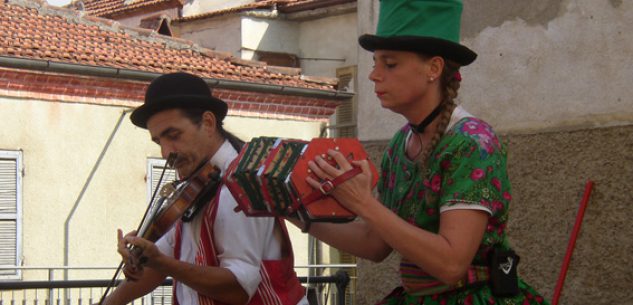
467 169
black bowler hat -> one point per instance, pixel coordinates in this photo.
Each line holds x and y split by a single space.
177 90
430 27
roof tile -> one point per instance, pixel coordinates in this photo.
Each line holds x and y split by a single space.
282 5
59 37
109 8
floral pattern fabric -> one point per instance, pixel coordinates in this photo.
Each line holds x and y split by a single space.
466 170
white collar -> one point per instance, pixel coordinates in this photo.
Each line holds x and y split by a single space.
458 114
223 157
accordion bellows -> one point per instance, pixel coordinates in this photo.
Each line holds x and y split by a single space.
268 178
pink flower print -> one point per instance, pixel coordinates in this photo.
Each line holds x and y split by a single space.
484 142
392 180
489 169
539 299
496 205
449 181
436 182
426 183
477 174
445 164
409 195
496 183
490 228
507 196
430 211
501 228
485 203
468 300
473 127
421 194
526 302
491 301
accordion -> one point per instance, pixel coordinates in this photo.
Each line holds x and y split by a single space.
268 178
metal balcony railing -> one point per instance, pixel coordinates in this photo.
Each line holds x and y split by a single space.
322 290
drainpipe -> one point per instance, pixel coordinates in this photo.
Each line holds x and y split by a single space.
77 69
81 194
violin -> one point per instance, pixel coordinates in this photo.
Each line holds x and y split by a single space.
178 200
181 200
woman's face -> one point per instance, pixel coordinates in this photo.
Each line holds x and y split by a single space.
401 79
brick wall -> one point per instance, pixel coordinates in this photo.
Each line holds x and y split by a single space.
128 93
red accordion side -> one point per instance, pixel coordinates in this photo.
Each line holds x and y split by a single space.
268 178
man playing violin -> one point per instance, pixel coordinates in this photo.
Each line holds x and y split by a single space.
218 256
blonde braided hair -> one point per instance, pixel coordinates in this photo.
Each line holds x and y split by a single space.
449 86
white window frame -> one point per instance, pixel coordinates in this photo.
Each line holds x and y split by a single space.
151 164
17 216
161 295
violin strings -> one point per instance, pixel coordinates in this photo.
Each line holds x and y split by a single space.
169 163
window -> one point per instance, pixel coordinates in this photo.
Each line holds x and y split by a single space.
154 169
10 211
345 116
162 294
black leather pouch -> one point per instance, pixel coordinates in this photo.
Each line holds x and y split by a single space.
504 281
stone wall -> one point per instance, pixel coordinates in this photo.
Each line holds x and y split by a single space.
549 172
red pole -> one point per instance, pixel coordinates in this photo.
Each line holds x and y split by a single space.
572 242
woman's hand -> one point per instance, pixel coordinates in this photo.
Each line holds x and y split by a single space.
353 193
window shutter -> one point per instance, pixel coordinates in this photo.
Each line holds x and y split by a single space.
162 294
9 210
156 167
345 125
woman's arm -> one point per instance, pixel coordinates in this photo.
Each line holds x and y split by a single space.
355 238
445 255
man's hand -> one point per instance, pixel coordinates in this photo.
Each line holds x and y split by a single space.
136 252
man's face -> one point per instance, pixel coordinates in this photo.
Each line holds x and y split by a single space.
174 132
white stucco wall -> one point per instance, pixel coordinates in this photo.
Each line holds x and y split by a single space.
574 70
61 142
567 71
220 34
328 43
135 21
269 35
196 7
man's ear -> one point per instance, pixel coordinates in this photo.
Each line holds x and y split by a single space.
209 122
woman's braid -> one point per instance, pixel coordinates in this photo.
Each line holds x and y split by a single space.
450 85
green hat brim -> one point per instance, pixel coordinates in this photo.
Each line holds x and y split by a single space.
420 44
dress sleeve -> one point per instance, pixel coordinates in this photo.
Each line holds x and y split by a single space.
470 177
243 242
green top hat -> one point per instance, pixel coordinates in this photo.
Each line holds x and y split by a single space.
426 26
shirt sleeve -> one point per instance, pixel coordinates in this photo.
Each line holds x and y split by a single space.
470 177
167 243
243 242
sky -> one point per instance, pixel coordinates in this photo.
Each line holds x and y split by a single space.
58 2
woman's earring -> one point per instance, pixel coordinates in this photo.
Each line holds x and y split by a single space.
431 78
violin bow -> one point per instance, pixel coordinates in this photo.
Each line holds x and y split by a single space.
171 159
